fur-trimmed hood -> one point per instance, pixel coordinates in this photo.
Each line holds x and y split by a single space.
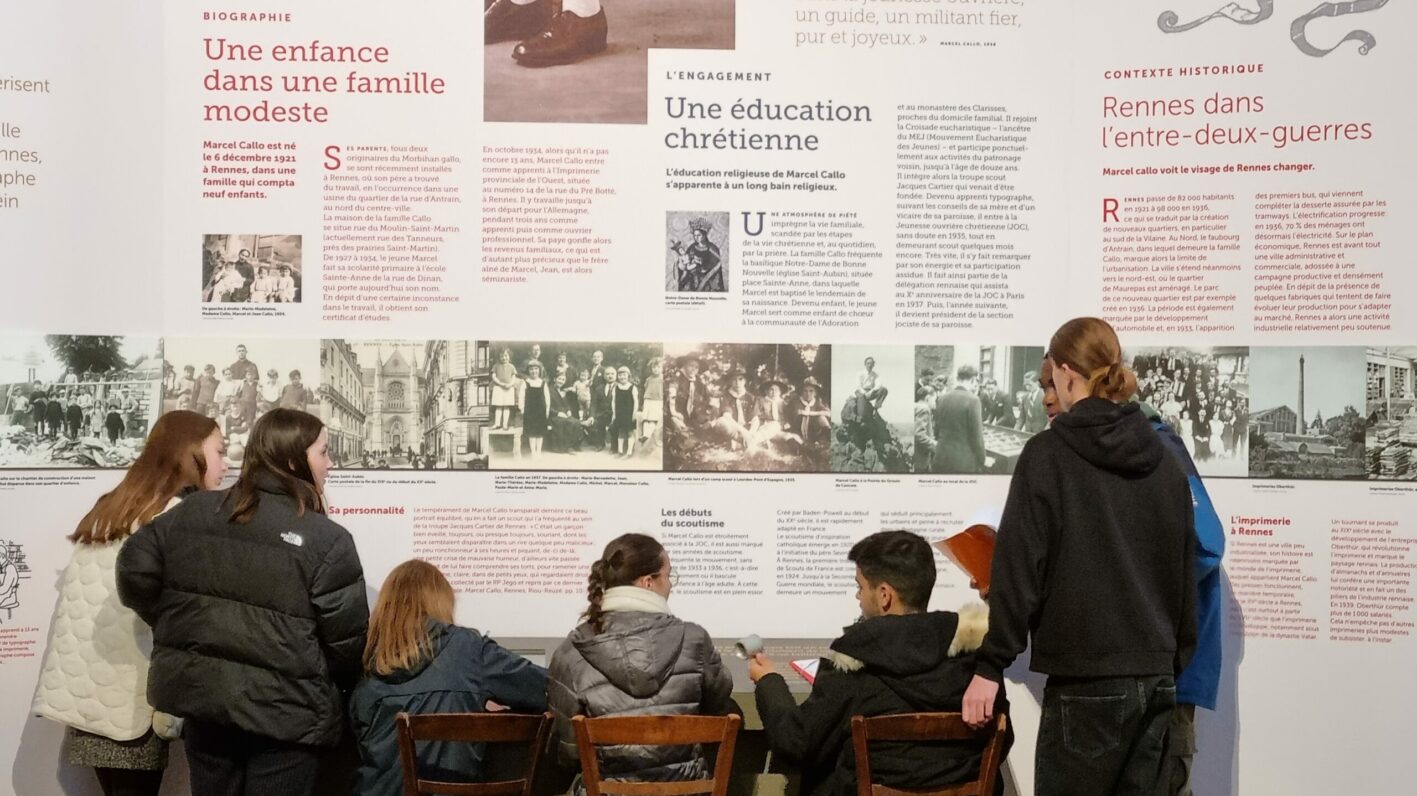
912 643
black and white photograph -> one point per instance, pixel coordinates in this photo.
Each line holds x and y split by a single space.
251 269
77 400
1309 422
13 570
1203 394
406 405
1391 439
873 425
748 407
696 257
975 407
236 380
587 61
576 406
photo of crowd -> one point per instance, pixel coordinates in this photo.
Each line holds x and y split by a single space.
261 375
1203 394
748 407
1309 424
76 400
873 428
251 269
697 256
576 406
975 407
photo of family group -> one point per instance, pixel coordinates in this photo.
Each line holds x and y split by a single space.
76 400
260 375
1203 394
748 407
874 424
696 257
1310 423
251 269
975 407
576 406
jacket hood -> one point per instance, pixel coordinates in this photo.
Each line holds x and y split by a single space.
636 651
911 644
438 637
1113 437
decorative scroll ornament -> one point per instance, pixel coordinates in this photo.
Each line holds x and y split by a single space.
1239 14
1365 39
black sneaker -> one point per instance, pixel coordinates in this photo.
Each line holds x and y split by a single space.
567 39
506 21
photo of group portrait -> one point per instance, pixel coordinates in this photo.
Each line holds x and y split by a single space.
251 269
873 426
77 400
748 407
235 381
1203 394
576 406
975 407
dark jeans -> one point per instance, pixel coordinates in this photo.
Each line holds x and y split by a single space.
229 762
129 782
1102 736
1181 750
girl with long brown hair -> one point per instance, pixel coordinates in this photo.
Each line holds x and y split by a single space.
1094 567
418 661
631 655
95 673
257 604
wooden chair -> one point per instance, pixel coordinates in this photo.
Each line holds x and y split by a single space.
656 731
927 727
507 728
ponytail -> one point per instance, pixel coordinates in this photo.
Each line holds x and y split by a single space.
626 559
1090 345
1115 382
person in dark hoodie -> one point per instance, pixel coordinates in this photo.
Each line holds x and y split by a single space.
417 661
632 656
1094 561
898 658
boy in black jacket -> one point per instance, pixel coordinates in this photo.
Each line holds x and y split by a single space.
898 658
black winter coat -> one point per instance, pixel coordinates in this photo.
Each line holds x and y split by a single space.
881 666
258 626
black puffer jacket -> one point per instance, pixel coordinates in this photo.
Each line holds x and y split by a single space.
257 626
641 664
882 666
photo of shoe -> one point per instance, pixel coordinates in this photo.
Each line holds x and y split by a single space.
567 39
504 20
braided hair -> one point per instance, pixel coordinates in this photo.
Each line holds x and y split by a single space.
626 559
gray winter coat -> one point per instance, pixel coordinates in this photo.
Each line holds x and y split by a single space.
643 663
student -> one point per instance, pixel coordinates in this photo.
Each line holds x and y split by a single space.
95 673
417 661
624 411
257 604
1094 562
899 657
631 656
504 390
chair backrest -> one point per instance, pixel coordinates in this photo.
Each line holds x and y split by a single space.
656 731
506 728
927 727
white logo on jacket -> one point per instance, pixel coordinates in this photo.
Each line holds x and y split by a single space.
292 538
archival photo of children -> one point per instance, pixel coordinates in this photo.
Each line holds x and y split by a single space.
696 257
77 400
1309 423
873 430
251 269
748 407
1392 413
576 406
587 60
975 407
1203 394
236 380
